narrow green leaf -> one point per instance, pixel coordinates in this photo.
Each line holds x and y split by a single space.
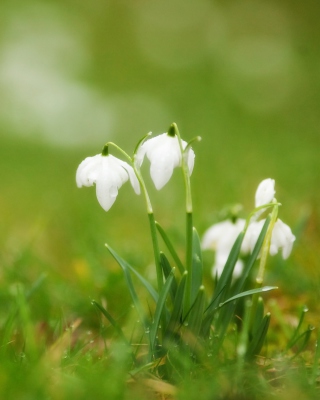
227 313
196 265
196 313
255 253
9 323
209 314
242 344
125 267
176 315
226 310
112 321
257 341
296 331
258 316
158 311
167 269
226 276
224 282
306 336
170 248
248 293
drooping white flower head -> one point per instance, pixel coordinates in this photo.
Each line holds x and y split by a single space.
265 192
221 237
164 154
108 173
281 238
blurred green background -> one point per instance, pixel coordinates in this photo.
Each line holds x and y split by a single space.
74 74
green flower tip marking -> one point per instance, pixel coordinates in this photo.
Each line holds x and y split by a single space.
105 150
172 131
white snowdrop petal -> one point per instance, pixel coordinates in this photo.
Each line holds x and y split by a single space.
190 160
109 174
86 172
213 234
106 193
265 192
221 237
164 154
283 238
132 176
161 170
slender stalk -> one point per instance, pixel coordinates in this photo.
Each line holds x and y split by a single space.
189 250
266 246
153 228
156 251
152 223
263 260
189 219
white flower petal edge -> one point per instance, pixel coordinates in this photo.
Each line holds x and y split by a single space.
282 238
220 261
265 192
221 237
164 154
109 174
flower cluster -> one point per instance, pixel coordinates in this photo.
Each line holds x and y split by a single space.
109 173
166 152
221 236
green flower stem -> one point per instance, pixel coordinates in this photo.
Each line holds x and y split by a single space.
266 246
189 250
263 260
105 150
156 250
189 219
153 228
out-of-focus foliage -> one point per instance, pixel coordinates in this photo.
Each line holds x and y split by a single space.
75 74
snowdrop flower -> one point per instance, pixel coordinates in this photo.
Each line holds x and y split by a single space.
265 192
164 154
221 237
281 238
108 173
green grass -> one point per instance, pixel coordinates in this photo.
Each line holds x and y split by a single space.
53 261
53 248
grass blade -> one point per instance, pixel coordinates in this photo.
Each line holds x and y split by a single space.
248 293
255 253
170 248
196 314
306 336
296 331
196 265
158 312
124 265
257 341
258 317
126 270
113 322
226 276
176 315
167 269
